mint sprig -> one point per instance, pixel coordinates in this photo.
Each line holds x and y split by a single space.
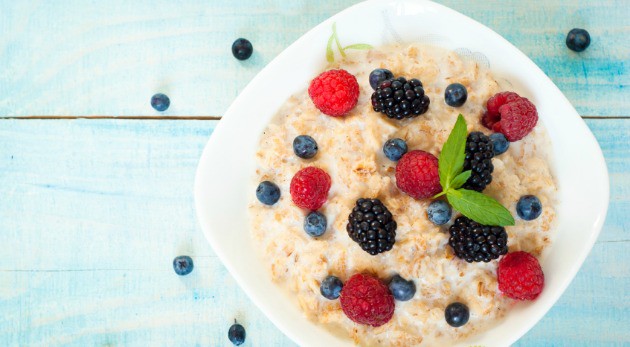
474 205
330 54
451 161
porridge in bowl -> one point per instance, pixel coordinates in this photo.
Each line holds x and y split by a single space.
380 228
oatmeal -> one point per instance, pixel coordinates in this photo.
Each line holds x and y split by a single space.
350 151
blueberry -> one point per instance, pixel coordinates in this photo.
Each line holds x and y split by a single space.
236 334
242 49
305 147
160 102
268 193
456 314
528 207
315 224
402 289
377 77
183 265
394 149
439 212
331 287
455 94
578 39
500 143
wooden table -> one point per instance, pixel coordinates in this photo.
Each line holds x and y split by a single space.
96 186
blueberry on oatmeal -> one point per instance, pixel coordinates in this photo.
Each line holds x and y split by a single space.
402 289
315 224
394 149
305 147
268 193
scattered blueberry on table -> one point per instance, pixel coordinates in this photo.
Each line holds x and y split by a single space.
394 149
305 146
528 207
455 94
331 287
377 77
578 39
183 265
456 314
439 212
500 144
236 334
268 193
242 49
315 224
160 102
401 289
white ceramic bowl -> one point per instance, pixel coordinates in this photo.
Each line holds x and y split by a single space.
223 182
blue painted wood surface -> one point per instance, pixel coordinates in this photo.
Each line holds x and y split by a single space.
93 211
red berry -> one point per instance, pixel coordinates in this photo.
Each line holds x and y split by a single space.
309 188
417 174
366 300
520 276
492 106
511 115
334 92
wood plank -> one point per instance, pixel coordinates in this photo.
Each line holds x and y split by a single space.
108 58
93 212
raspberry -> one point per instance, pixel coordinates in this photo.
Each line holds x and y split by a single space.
309 188
417 174
334 92
366 300
511 115
520 276
492 106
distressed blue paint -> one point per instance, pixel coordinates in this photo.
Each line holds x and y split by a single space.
108 58
92 265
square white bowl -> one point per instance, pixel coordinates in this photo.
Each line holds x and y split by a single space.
223 181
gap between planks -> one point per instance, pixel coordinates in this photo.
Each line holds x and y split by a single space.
198 117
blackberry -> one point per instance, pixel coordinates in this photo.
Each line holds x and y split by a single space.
472 241
399 98
371 225
479 153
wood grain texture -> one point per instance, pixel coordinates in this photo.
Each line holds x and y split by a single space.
93 212
109 57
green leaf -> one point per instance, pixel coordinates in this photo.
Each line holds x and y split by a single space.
460 179
343 54
359 46
480 208
451 161
330 55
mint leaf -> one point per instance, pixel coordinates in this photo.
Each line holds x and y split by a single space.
358 46
330 55
478 207
451 161
460 179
